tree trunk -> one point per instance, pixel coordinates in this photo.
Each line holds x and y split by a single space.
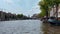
56 11
53 11
47 14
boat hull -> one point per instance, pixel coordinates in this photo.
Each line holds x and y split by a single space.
54 22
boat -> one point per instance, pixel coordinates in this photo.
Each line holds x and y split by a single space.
53 21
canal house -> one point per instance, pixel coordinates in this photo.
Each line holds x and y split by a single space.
7 16
53 12
2 15
55 16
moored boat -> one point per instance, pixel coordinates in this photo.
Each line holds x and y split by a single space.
53 21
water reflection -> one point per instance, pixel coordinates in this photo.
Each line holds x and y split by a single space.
50 29
21 27
28 27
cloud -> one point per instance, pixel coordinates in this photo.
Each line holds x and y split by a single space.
8 1
27 7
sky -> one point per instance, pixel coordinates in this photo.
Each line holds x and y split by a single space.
26 7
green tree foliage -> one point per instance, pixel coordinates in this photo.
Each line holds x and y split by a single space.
44 8
20 15
46 5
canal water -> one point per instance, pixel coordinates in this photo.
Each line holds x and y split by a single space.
27 27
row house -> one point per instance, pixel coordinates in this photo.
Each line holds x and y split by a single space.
6 16
53 12
2 15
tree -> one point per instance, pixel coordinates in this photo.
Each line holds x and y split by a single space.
20 15
57 2
44 6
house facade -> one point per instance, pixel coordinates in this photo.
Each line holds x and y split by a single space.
2 15
53 12
6 16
